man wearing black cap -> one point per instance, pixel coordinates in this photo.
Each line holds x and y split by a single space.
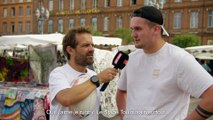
159 78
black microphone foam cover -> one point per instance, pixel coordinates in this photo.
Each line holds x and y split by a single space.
120 60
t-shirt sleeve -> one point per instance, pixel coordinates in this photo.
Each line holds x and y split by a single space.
192 77
122 82
57 82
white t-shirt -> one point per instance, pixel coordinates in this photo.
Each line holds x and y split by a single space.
159 85
62 78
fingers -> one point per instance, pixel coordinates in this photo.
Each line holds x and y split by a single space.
107 74
111 76
112 72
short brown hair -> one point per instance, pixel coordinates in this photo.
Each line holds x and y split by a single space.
152 24
70 39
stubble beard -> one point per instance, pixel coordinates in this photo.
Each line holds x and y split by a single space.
84 60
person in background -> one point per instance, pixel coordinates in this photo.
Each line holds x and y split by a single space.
59 58
79 50
63 59
159 77
4 53
211 66
206 66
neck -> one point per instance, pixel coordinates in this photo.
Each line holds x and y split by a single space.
155 47
78 68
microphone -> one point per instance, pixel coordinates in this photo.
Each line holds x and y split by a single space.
119 61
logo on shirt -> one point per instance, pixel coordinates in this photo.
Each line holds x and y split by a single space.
156 73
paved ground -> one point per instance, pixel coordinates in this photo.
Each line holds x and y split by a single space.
193 104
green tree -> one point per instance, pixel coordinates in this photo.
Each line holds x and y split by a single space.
97 33
211 43
186 40
124 34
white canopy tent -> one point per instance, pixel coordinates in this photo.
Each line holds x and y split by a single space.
98 40
31 39
200 48
124 48
40 39
201 52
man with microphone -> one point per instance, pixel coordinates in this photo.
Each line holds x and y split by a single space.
159 77
79 50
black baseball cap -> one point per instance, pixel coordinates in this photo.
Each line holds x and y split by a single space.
152 14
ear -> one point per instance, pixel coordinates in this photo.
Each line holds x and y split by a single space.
69 50
157 29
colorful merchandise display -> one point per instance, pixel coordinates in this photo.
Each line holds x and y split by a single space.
23 103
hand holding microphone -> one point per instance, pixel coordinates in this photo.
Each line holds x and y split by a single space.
107 74
119 62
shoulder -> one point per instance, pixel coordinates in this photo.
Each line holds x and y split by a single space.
60 69
177 52
175 49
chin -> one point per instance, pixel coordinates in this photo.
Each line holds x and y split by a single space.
90 62
139 46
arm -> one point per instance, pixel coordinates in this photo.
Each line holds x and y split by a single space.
77 93
121 102
206 103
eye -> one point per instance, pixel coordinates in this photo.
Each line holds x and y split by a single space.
86 45
138 28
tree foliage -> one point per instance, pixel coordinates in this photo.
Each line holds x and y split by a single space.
124 34
97 33
186 40
210 43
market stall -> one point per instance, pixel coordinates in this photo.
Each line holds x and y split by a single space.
23 102
201 52
40 59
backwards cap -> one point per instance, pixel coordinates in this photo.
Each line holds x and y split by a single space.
152 14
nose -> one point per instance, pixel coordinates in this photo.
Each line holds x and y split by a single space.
91 48
133 34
